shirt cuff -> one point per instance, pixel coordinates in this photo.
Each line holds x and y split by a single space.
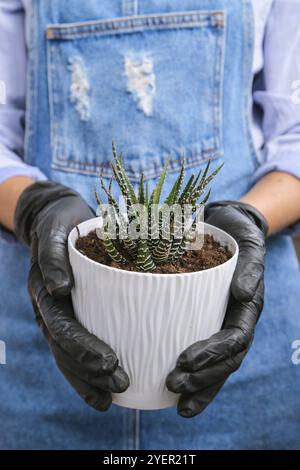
22 170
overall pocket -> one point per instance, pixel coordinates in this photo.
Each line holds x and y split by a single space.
153 84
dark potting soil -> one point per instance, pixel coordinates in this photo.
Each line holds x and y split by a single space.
211 254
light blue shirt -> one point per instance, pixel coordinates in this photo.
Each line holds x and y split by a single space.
276 93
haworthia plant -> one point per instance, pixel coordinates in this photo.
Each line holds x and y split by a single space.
158 239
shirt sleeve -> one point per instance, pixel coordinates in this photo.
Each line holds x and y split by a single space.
13 59
278 93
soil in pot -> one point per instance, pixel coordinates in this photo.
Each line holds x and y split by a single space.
212 254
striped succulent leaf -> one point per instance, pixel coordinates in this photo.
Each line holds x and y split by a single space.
108 193
175 246
144 259
147 194
97 198
130 246
178 234
185 193
165 227
175 191
112 251
204 183
122 178
180 251
161 252
155 196
142 195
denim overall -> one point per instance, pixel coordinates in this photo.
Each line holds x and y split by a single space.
163 78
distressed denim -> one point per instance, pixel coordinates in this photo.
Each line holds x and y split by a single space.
164 79
86 96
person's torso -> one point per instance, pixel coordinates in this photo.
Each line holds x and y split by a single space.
215 51
163 79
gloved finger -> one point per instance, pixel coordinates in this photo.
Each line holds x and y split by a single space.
235 337
219 347
244 315
58 318
191 404
98 399
117 382
251 241
34 249
53 255
179 381
249 270
54 263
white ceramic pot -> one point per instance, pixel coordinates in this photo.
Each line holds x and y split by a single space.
149 319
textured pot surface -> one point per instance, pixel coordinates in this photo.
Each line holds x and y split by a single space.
149 319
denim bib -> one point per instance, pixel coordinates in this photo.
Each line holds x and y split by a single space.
163 78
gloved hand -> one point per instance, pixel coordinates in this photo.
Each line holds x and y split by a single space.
203 368
46 212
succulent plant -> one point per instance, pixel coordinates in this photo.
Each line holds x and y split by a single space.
161 236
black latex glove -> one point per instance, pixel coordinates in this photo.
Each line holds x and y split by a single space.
46 212
203 367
